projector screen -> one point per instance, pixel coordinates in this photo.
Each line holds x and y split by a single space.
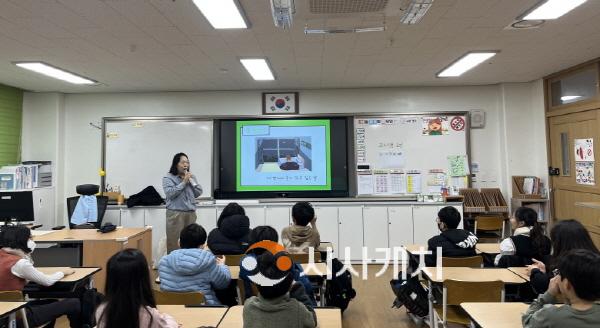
283 155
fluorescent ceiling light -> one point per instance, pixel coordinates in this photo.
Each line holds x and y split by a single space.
342 30
258 68
222 14
55 72
553 9
569 98
466 63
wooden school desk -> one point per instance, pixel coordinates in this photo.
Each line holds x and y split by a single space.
192 317
326 318
9 309
496 315
79 275
467 274
98 247
488 248
415 248
520 271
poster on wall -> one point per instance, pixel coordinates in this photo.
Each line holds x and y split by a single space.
584 150
584 174
435 125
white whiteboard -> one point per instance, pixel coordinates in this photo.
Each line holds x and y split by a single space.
138 153
400 144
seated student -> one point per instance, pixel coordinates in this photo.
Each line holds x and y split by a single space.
527 242
453 241
261 233
284 304
192 268
300 236
565 236
230 237
129 298
577 280
16 269
289 164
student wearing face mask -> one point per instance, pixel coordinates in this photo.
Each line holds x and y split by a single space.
453 241
16 269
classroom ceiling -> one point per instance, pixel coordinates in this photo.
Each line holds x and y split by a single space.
167 45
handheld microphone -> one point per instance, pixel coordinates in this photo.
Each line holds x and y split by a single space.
192 181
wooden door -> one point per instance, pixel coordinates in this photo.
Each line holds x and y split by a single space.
567 189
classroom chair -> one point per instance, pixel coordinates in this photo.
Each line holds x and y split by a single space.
87 190
17 296
456 292
489 229
469 261
233 260
176 298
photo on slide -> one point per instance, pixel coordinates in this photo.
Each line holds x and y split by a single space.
283 154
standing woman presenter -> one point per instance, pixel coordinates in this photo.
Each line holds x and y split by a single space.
181 190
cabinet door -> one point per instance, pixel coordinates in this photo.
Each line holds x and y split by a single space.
113 216
350 220
375 225
277 217
207 218
327 224
132 218
424 221
157 219
256 214
400 220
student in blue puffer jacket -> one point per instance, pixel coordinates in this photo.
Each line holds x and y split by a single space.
192 268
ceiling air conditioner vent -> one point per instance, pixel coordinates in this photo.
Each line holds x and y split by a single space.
346 6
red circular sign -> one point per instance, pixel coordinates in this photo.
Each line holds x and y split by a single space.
457 123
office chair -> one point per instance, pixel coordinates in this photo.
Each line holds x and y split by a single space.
87 190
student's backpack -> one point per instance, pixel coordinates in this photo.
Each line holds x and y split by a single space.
339 291
411 294
147 197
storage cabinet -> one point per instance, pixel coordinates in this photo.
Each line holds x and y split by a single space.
375 226
351 225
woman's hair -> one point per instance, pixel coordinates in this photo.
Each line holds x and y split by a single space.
570 234
530 219
173 170
229 210
128 289
15 237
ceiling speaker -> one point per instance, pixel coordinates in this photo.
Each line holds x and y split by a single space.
477 119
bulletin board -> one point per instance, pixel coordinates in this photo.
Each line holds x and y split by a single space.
405 154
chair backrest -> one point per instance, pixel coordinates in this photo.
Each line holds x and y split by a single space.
11 296
489 223
102 204
457 291
304 257
233 260
469 261
175 298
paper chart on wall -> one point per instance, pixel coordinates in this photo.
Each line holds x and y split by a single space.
397 182
413 182
458 165
584 150
585 173
365 183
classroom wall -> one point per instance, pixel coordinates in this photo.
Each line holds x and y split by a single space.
507 107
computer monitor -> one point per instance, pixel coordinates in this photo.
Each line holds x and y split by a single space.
16 206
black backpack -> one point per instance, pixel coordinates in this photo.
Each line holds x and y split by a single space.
411 294
147 197
339 291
